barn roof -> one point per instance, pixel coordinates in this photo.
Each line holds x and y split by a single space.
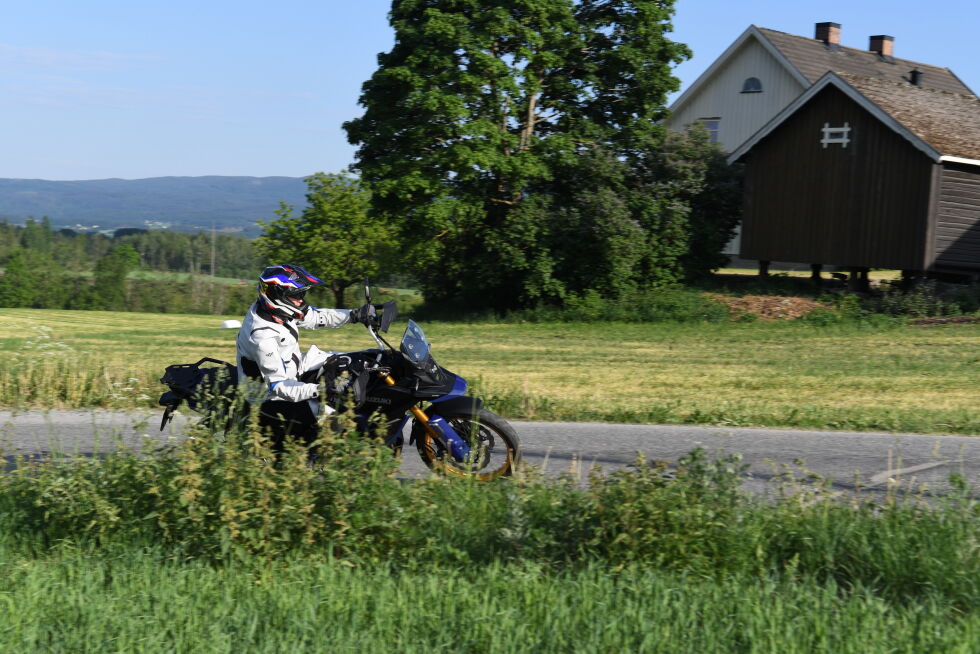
813 58
949 122
944 125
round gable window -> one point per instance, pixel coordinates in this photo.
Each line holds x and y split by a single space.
752 85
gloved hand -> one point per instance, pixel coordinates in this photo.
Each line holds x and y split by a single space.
363 314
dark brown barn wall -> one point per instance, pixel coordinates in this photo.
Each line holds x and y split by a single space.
865 205
957 239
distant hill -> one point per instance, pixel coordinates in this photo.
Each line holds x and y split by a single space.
178 203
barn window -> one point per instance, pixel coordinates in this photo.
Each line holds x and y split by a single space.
713 125
752 85
835 135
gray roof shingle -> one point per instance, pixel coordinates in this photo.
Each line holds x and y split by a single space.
812 58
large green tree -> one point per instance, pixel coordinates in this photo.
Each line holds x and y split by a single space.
110 277
32 279
481 107
334 238
20 283
37 236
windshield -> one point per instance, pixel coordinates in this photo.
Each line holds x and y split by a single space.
414 346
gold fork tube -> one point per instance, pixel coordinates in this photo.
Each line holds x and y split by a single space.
417 412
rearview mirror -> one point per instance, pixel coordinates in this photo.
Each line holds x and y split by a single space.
389 310
367 291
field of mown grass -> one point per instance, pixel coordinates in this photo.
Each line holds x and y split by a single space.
889 378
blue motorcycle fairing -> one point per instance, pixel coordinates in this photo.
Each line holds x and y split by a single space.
453 403
459 389
463 405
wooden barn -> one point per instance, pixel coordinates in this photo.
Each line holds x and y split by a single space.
862 172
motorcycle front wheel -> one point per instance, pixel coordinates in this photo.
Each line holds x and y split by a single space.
495 447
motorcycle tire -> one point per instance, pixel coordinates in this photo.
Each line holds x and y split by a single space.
496 447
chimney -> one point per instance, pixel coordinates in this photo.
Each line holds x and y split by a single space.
882 44
829 33
915 77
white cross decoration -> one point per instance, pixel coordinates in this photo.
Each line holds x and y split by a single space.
841 135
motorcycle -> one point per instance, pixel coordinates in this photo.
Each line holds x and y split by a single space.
402 390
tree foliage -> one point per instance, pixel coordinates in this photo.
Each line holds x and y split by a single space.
333 237
159 250
19 286
110 276
715 205
519 145
48 269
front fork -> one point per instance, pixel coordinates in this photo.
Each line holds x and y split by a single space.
437 428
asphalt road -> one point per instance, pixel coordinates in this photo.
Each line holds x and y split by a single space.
843 457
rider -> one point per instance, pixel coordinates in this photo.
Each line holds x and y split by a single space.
270 365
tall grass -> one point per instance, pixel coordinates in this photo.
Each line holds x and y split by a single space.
212 545
224 499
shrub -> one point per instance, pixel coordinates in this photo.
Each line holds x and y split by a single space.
684 519
213 496
967 298
668 304
925 299
847 309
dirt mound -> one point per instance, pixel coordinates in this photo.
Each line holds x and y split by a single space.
767 307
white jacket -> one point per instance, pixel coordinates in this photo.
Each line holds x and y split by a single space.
269 359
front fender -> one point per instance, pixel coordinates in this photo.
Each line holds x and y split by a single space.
463 405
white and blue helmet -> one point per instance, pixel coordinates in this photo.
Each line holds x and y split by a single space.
280 284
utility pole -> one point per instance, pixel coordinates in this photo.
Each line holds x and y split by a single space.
211 294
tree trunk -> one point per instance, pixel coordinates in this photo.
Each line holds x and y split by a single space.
338 297
529 121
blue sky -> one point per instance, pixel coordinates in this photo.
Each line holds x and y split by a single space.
104 88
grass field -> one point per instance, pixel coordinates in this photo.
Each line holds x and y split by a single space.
916 378
138 603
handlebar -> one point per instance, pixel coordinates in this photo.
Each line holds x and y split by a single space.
384 316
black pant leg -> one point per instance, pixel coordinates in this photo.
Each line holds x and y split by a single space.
284 420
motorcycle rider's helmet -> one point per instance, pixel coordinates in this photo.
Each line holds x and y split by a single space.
282 290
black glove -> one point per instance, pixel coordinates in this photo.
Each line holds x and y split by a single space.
363 314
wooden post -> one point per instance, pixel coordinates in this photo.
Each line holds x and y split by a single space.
815 269
858 280
764 268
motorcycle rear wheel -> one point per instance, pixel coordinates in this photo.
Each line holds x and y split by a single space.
495 445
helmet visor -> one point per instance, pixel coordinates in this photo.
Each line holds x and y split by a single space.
296 293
